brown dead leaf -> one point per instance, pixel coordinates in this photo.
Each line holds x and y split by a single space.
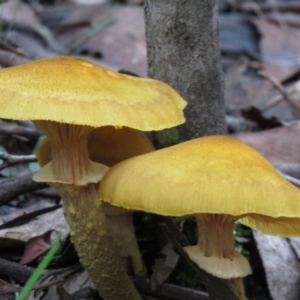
244 90
278 145
36 246
49 221
289 18
280 48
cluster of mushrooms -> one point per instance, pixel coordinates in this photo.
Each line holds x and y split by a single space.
105 168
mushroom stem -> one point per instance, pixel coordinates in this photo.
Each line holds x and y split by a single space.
74 176
122 229
215 251
69 150
215 235
91 237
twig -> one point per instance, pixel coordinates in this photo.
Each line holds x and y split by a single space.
276 84
6 45
28 217
46 285
15 270
8 59
10 160
41 30
170 291
10 189
278 98
8 288
47 193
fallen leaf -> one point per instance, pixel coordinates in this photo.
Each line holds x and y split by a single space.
36 246
278 145
49 221
243 91
280 49
281 265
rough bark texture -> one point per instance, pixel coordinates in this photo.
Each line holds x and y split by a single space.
183 50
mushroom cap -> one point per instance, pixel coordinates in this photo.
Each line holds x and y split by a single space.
106 145
75 91
215 174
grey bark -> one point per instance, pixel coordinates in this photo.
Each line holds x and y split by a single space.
183 50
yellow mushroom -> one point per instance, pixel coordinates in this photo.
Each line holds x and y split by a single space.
109 146
67 97
218 180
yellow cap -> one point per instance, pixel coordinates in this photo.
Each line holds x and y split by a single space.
215 174
75 91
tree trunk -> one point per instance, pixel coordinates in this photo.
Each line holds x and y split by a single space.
183 50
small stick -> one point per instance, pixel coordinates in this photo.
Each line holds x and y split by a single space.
10 189
277 85
15 270
8 58
10 160
171 291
